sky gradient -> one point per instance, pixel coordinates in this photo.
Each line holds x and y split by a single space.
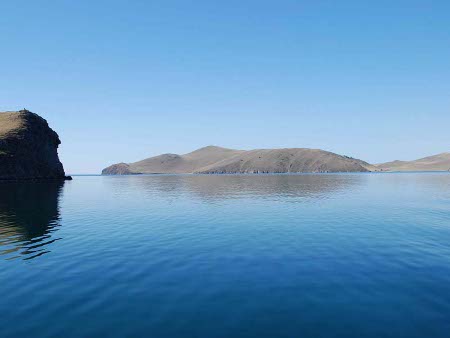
125 80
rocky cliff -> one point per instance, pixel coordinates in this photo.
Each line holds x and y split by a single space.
28 148
217 160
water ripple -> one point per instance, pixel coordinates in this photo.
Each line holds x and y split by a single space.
350 255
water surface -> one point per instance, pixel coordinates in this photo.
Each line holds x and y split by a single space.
348 255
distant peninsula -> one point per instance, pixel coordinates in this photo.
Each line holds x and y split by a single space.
439 162
28 148
217 160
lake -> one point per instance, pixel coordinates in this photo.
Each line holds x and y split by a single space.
325 255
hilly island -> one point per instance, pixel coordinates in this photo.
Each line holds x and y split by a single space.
217 160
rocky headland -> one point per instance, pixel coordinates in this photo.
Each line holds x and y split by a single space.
28 148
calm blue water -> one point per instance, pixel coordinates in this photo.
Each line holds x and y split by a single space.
351 255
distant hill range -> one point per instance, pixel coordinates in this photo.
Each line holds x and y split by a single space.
217 160
440 162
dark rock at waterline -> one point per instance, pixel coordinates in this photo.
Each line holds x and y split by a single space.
28 148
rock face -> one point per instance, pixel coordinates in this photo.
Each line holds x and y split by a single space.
440 162
217 160
28 148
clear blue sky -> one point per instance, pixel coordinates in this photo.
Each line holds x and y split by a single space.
125 80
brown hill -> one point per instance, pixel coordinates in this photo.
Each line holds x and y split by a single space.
440 162
213 159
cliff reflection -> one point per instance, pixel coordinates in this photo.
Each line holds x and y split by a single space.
29 216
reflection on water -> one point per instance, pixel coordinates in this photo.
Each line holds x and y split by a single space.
222 187
29 217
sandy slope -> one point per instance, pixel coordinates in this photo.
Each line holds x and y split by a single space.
10 123
213 159
440 162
